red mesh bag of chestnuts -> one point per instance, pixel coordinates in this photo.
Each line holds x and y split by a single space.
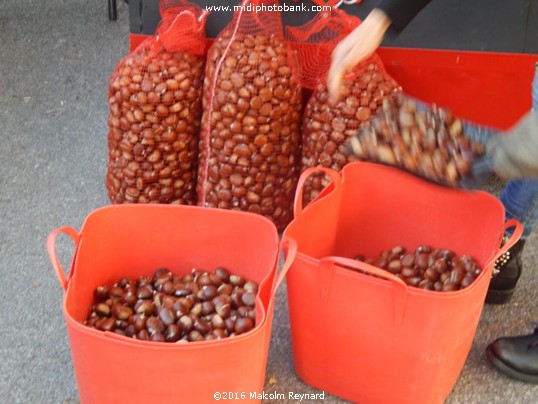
326 127
250 136
155 107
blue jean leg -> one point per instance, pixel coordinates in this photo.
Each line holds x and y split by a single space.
520 200
520 197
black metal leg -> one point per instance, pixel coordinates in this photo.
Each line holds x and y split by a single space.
112 10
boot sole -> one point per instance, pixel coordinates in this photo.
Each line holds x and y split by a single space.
503 367
499 296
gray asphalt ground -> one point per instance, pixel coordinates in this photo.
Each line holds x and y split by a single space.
55 60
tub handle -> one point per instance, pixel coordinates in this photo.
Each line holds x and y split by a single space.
290 247
51 249
400 288
516 235
298 204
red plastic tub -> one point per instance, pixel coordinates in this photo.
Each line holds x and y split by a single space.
373 339
134 240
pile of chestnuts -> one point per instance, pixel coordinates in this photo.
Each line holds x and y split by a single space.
200 306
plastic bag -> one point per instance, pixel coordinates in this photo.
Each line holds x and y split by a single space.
250 137
155 108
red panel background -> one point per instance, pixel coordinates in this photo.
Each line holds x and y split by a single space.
488 88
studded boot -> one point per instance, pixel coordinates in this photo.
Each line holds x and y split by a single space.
506 273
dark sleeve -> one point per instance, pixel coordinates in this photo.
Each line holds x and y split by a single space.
401 12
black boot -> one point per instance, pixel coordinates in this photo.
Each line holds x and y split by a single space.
516 356
506 273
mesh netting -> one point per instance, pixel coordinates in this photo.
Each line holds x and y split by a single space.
155 109
326 126
313 44
250 137
182 27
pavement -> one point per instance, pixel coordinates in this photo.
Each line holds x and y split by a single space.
55 60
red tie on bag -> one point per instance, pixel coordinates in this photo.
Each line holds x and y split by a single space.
314 42
182 27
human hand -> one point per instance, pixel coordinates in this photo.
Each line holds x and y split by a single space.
357 46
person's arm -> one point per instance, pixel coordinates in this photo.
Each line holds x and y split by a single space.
515 155
365 39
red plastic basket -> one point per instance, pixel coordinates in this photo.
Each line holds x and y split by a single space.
133 240
373 339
